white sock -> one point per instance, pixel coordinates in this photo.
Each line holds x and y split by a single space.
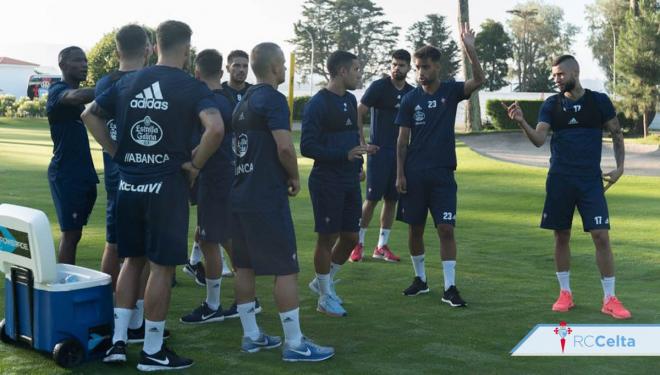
449 271
248 320
195 254
324 283
213 293
291 326
564 280
137 318
608 286
122 318
418 265
334 268
384 237
361 234
153 336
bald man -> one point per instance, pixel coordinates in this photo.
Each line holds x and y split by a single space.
264 241
577 117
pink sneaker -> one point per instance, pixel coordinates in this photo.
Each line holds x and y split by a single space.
385 253
612 306
356 254
564 302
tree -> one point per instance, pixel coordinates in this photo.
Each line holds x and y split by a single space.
433 30
539 33
638 62
351 25
494 49
605 19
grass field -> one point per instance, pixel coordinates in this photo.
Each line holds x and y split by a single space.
505 271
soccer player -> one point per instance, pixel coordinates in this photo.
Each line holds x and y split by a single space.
426 160
237 66
383 97
155 109
577 117
133 49
71 174
214 184
331 137
262 229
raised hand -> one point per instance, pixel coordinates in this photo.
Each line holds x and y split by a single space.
514 112
467 35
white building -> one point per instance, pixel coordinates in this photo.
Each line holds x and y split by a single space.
14 76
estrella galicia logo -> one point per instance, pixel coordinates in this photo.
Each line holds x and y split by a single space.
240 145
562 331
146 132
15 242
112 128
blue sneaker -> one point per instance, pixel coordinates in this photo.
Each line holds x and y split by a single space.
307 351
314 286
263 342
330 306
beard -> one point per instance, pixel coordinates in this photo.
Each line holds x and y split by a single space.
398 76
569 86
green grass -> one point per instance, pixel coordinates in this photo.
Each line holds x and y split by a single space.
505 272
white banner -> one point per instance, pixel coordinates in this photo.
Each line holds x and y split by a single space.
590 340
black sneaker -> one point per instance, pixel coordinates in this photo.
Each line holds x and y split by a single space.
116 353
417 287
452 297
136 336
165 359
197 272
203 314
233 310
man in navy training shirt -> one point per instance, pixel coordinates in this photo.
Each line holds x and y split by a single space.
426 161
214 184
383 97
155 110
71 174
263 236
331 137
133 49
577 117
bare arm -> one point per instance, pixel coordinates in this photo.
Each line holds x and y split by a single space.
619 152
401 152
536 135
214 131
95 121
478 76
77 96
288 158
361 111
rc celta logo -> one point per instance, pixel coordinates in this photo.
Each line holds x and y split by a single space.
563 330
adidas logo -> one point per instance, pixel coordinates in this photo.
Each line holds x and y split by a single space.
573 121
418 108
153 329
287 320
150 98
348 122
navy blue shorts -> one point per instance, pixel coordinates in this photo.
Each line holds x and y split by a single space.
429 190
564 193
213 205
73 201
152 218
265 242
381 176
337 208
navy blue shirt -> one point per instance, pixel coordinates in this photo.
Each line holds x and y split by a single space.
110 168
224 156
329 132
431 118
260 181
236 95
72 159
155 110
576 143
384 100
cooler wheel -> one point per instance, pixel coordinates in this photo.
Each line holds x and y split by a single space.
68 353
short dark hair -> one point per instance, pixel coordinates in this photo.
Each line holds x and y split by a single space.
209 62
428 52
66 53
263 55
337 60
562 58
237 53
171 33
401 54
131 40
